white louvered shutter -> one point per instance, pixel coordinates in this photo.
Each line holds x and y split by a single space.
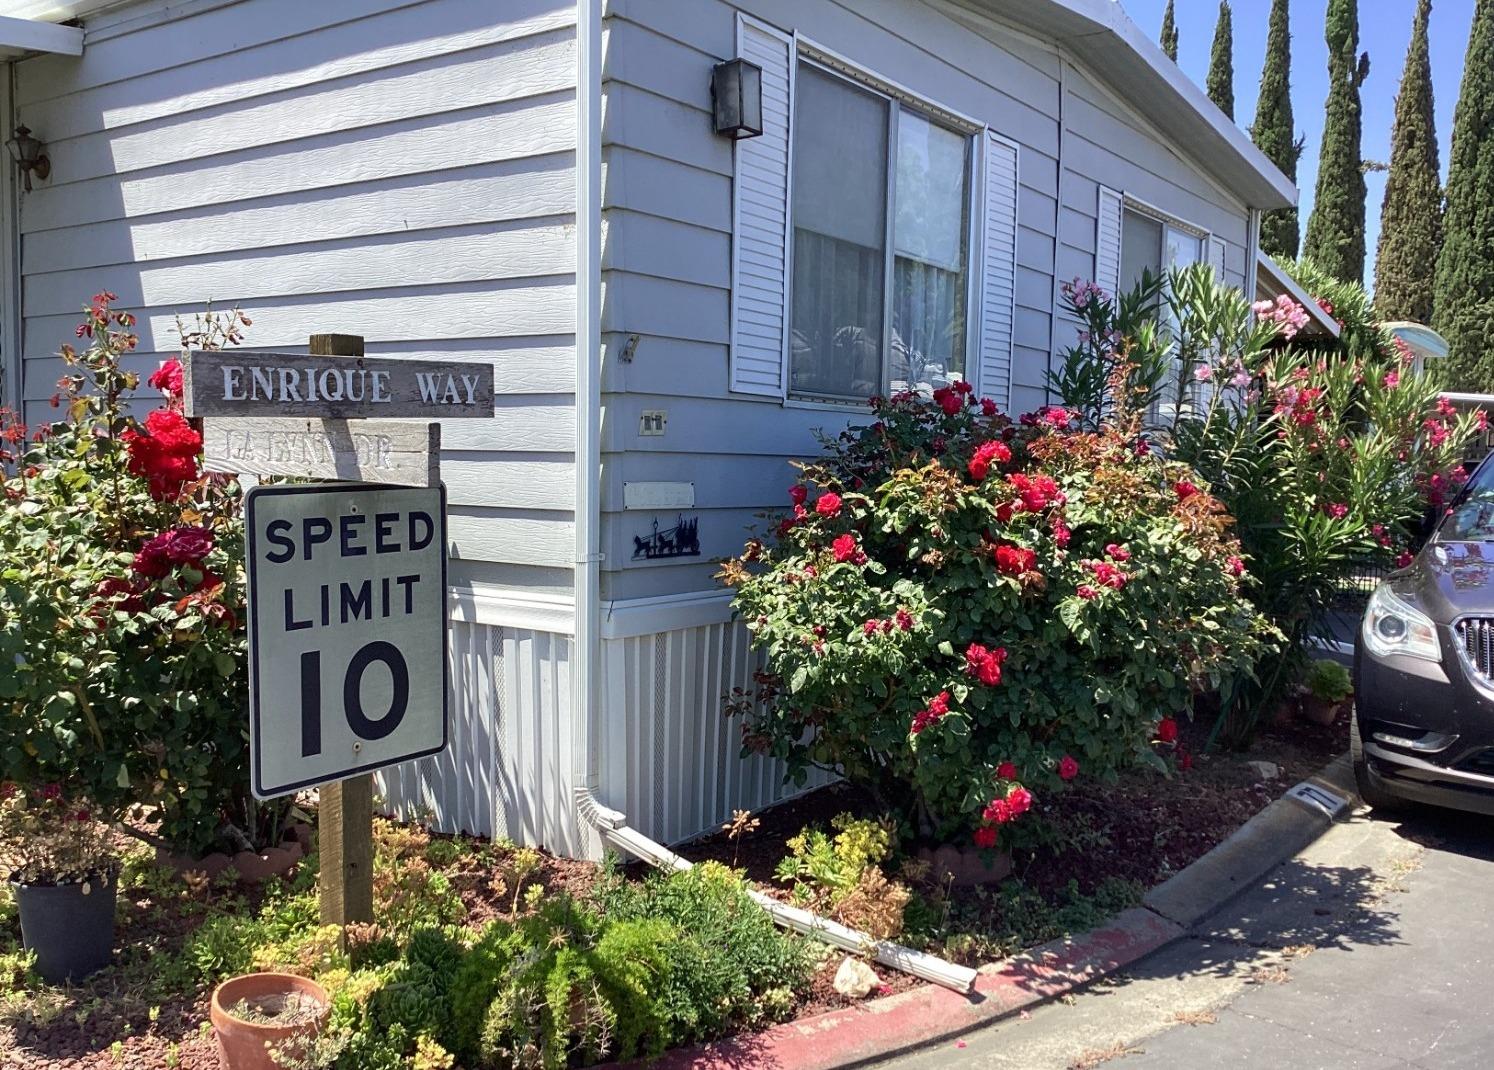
998 272
1108 241
760 221
1216 256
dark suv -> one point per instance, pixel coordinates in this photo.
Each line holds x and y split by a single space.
1424 667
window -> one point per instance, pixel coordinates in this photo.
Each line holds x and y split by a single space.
1151 243
880 198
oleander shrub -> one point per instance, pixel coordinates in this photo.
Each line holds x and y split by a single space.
1328 453
962 610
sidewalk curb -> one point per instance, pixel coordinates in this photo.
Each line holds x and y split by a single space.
892 1025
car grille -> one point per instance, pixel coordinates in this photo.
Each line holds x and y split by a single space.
1477 637
1482 762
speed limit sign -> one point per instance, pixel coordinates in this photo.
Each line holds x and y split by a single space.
347 630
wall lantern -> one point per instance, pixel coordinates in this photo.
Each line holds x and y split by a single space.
27 153
737 89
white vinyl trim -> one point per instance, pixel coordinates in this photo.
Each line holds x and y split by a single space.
649 616
759 357
500 607
997 308
1108 239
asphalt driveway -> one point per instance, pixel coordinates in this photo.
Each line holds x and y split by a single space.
1372 949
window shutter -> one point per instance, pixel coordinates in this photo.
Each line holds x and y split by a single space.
998 271
760 221
1216 256
1108 241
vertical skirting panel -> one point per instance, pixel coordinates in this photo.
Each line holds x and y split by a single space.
681 772
506 771
668 756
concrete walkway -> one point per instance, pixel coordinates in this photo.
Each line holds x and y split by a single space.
1373 948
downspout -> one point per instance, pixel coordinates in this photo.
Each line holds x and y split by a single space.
587 707
586 652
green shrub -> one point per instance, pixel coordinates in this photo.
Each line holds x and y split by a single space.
482 972
1327 454
1328 681
122 602
224 945
734 968
970 609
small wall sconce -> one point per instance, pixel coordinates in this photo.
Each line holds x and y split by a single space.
28 155
737 90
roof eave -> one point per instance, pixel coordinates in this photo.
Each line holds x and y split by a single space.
25 37
1102 35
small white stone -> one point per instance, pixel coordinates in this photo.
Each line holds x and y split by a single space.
855 979
1265 770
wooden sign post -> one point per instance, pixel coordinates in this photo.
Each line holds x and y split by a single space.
347 581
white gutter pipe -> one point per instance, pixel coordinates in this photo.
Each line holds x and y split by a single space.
614 829
586 660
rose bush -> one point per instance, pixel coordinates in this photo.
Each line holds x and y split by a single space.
961 612
1327 453
121 602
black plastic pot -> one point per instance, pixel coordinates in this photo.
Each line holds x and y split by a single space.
71 933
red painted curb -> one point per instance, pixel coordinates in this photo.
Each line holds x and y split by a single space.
883 1027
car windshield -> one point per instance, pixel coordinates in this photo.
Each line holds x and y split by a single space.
1472 517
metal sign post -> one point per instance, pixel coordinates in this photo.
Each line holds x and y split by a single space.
346 581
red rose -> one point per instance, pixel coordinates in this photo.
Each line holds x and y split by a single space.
1167 730
844 547
1184 490
962 386
949 401
188 545
798 493
151 560
985 455
1006 771
1117 552
1403 559
1015 560
1236 566
1086 592
168 378
173 433
903 619
120 593
987 407
1068 769
985 836
997 811
1019 801
1107 575
828 504
939 704
870 627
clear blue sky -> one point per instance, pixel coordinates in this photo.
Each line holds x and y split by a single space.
1384 31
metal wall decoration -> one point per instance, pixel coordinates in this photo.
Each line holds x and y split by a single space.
682 540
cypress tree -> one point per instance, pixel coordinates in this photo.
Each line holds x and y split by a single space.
1221 81
1464 301
1335 230
1170 33
1274 130
1411 218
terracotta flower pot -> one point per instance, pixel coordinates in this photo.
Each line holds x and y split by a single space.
246 1045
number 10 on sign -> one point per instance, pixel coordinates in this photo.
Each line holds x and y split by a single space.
347 631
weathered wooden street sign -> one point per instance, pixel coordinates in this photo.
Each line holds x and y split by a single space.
386 451
220 383
347 631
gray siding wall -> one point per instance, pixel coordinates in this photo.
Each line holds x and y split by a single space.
399 170
667 245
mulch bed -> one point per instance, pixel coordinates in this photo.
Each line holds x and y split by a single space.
1143 828
108 1008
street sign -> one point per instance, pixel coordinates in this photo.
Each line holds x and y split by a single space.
404 452
228 383
347 631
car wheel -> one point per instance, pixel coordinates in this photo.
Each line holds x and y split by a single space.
1374 796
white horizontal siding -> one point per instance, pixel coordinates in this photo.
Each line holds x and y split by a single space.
400 170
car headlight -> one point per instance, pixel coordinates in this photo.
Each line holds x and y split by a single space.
1391 626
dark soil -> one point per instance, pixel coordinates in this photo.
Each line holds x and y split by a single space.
1143 828
113 1007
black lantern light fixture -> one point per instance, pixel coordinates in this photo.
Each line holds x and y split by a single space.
28 155
737 89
